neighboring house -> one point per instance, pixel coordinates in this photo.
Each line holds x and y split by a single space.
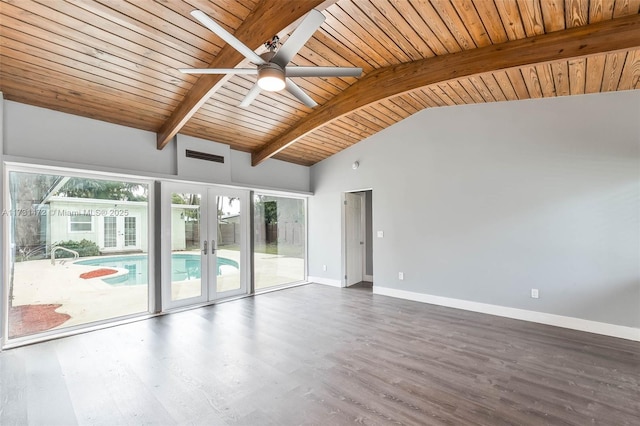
115 226
185 227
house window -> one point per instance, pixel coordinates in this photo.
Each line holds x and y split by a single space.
80 223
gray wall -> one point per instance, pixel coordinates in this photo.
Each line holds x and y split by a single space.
42 134
272 173
484 202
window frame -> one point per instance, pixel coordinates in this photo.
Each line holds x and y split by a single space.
17 165
71 223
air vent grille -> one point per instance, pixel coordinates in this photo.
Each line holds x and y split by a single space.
204 156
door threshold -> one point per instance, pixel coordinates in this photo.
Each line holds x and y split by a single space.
204 304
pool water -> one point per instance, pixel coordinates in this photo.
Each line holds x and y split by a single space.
183 267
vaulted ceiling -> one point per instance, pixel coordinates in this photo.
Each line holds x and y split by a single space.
117 61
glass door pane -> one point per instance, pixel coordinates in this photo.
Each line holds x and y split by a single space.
130 232
187 256
110 232
227 239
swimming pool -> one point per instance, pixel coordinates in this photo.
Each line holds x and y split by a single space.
183 267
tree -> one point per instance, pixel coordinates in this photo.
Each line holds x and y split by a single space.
265 209
27 191
188 199
103 190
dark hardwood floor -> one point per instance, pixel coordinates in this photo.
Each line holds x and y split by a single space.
323 356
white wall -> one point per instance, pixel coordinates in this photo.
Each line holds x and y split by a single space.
484 202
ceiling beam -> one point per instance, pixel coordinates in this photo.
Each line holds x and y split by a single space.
383 83
268 18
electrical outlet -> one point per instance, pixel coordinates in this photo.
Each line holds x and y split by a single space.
534 293
401 276
324 267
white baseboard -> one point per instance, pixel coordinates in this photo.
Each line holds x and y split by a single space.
368 278
325 281
613 330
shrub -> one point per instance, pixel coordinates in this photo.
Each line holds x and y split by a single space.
83 247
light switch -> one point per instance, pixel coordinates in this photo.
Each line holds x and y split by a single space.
380 234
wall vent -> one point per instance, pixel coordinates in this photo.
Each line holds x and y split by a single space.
204 156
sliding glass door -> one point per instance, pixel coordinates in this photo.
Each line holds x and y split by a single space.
205 245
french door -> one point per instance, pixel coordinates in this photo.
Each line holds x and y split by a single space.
204 244
120 233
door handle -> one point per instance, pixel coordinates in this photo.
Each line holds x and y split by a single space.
213 246
204 249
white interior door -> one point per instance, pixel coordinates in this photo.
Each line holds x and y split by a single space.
204 244
354 238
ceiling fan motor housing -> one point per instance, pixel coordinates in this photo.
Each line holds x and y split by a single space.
271 77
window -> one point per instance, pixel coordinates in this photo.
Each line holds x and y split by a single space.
57 272
279 240
80 223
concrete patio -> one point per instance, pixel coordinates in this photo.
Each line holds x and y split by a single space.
38 282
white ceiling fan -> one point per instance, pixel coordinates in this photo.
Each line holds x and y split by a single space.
272 70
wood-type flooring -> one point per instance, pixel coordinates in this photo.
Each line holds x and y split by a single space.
318 355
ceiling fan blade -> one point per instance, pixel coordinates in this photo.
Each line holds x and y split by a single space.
298 38
253 93
296 91
323 71
249 71
226 36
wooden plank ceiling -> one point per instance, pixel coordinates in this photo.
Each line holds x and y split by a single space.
117 60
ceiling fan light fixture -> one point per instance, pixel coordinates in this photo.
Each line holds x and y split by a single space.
271 78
